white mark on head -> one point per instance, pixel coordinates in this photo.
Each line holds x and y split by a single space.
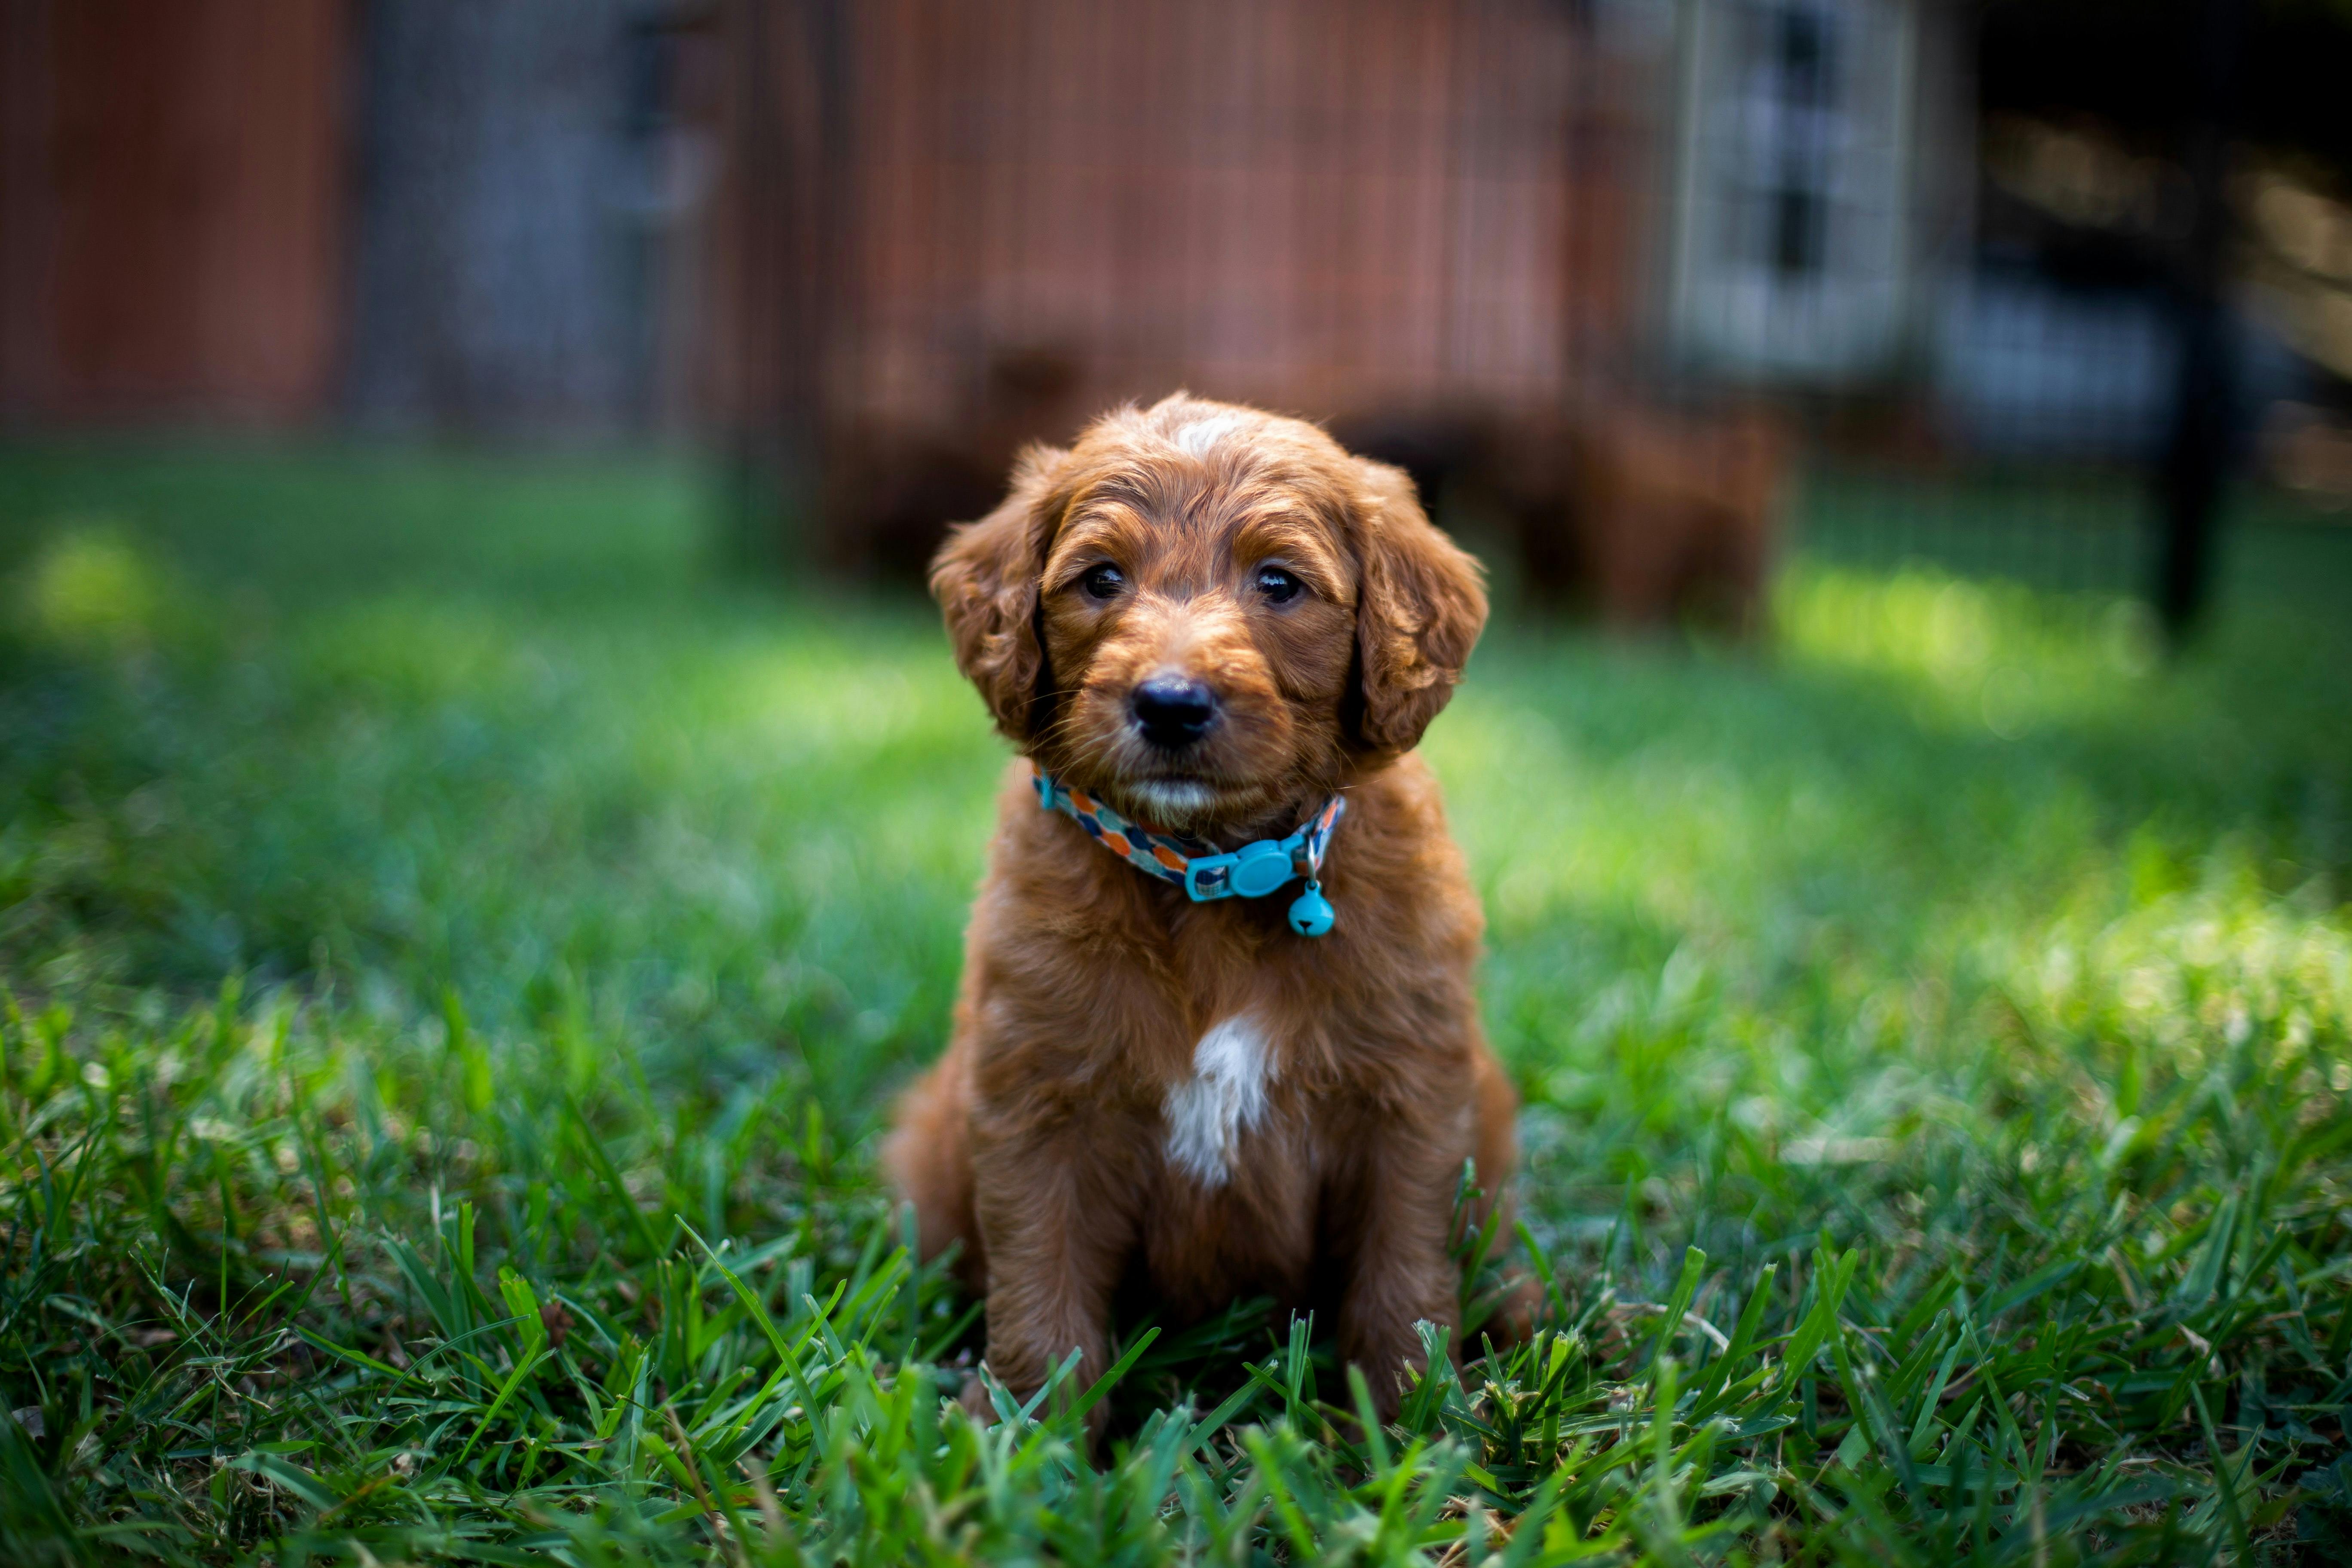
1207 1112
1202 436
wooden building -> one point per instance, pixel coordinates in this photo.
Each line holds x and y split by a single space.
815 225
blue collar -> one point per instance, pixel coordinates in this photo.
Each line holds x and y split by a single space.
1251 871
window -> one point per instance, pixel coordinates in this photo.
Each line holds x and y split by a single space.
1792 205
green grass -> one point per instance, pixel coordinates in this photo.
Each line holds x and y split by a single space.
459 940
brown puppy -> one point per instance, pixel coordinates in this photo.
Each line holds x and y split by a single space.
1212 619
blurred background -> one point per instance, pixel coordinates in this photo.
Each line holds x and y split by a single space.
1637 289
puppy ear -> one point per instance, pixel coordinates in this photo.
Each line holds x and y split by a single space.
1419 605
986 579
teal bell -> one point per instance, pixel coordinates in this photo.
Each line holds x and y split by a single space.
1310 912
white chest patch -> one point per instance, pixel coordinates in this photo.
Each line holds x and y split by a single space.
1207 1112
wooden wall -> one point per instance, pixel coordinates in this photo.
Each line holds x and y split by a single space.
172 181
1335 206
1326 205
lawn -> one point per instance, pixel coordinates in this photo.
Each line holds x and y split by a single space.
459 935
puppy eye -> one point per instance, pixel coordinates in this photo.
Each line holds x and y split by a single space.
1103 582
1277 585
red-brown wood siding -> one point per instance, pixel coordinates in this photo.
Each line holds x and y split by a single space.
172 209
1327 206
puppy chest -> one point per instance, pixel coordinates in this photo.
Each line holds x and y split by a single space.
1218 1115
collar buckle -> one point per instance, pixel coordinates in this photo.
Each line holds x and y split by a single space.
1251 871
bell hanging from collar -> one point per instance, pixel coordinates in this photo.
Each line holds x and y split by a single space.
1310 912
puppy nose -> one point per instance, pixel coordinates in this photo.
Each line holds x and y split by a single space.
1174 713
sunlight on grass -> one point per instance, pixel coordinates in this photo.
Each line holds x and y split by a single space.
1990 652
89 589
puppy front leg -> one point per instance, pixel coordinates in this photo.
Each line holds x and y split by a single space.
1399 1273
1058 1226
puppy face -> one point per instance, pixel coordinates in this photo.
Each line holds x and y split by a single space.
1198 604
1206 614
